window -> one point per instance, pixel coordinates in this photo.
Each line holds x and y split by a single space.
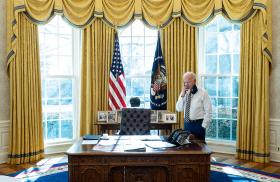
59 55
138 45
219 48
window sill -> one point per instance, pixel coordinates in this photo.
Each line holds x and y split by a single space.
222 146
58 147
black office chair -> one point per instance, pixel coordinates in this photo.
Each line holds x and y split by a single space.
135 121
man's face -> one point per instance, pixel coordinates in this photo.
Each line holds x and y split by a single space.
189 82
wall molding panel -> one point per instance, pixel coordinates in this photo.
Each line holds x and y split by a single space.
4 140
275 139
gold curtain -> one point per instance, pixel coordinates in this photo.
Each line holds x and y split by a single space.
179 50
26 143
253 107
97 53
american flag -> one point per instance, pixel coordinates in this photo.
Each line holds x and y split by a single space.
117 91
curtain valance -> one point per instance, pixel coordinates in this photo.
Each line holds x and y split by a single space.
157 13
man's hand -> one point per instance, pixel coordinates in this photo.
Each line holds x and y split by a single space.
183 92
191 137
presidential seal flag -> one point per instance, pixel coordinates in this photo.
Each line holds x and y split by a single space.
158 94
117 93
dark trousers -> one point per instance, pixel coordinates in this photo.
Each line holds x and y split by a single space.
196 128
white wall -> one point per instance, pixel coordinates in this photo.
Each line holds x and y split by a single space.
274 86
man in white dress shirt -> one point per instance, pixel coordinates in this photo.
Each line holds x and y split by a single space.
198 111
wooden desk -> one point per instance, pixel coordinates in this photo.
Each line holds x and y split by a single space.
188 163
106 127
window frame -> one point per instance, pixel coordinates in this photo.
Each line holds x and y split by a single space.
201 55
75 76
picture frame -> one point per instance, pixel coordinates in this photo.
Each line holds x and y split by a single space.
112 117
119 116
160 114
102 116
154 116
169 118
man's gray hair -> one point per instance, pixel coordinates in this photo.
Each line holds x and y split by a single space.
192 74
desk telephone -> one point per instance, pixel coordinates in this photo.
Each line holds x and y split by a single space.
179 137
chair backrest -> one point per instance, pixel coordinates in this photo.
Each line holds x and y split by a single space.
135 121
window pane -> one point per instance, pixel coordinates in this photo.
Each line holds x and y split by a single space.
52 88
212 27
224 43
234 103
150 43
67 129
236 63
148 66
65 65
137 28
224 129
234 126
211 43
234 113
66 88
53 129
211 62
125 46
137 66
214 107
235 86
235 41
224 112
137 46
51 65
224 86
210 85
236 27
224 25
125 31
137 87
224 64
150 32
128 88
212 130
65 44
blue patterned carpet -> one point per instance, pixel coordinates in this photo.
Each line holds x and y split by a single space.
219 173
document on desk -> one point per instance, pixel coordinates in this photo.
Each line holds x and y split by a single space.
158 144
89 142
106 146
134 146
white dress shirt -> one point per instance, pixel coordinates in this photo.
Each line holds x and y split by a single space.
200 107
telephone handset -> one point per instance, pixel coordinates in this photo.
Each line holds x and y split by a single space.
179 137
194 89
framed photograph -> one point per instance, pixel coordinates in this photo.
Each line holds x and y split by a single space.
112 117
160 115
102 116
154 116
119 116
169 117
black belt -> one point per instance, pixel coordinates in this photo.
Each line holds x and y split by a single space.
196 120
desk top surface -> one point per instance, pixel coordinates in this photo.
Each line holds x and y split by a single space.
152 123
116 147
